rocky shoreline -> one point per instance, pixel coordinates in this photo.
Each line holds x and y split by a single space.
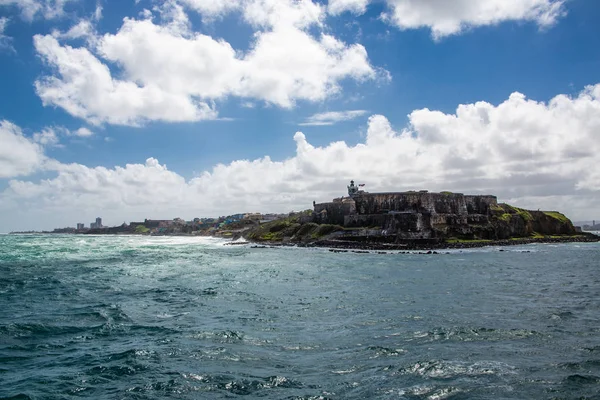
371 244
428 247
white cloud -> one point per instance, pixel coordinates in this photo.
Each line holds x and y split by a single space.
332 117
213 9
98 12
121 186
337 7
5 41
451 17
172 74
283 13
30 9
446 17
83 29
19 155
47 137
83 132
263 13
86 89
533 154
50 136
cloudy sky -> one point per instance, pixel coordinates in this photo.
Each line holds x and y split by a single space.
137 109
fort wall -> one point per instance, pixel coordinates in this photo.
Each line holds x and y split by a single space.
414 214
334 212
480 204
440 203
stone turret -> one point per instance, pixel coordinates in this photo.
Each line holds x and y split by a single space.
352 189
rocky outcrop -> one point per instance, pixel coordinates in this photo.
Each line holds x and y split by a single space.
418 220
509 222
417 216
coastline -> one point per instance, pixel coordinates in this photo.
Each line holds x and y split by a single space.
450 245
382 243
360 243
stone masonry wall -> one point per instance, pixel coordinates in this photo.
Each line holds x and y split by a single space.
434 203
411 214
432 216
334 212
480 204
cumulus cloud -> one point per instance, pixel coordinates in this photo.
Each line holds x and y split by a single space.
86 89
47 137
120 186
451 17
30 9
83 29
213 9
83 132
532 154
263 13
332 117
170 73
446 18
336 7
19 155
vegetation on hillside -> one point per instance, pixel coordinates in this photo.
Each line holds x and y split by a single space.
293 229
503 222
141 229
558 216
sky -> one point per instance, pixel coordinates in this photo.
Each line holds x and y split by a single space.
136 109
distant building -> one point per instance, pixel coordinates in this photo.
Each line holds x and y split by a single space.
80 226
253 216
272 217
231 219
64 230
98 222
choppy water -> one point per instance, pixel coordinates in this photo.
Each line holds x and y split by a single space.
187 318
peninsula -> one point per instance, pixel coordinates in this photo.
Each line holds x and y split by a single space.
375 221
417 220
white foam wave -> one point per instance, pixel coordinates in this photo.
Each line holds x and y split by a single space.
176 240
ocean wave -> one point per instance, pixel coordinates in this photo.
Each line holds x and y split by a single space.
452 369
467 334
429 392
242 386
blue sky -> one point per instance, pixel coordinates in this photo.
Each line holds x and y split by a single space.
184 108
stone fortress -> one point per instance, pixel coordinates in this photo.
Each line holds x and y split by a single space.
423 215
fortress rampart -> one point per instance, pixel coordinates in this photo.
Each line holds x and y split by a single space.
407 214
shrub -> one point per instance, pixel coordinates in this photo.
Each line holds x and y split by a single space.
557 215
141 229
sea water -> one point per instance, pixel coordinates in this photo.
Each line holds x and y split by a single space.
135 317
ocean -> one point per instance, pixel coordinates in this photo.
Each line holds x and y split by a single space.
135 317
